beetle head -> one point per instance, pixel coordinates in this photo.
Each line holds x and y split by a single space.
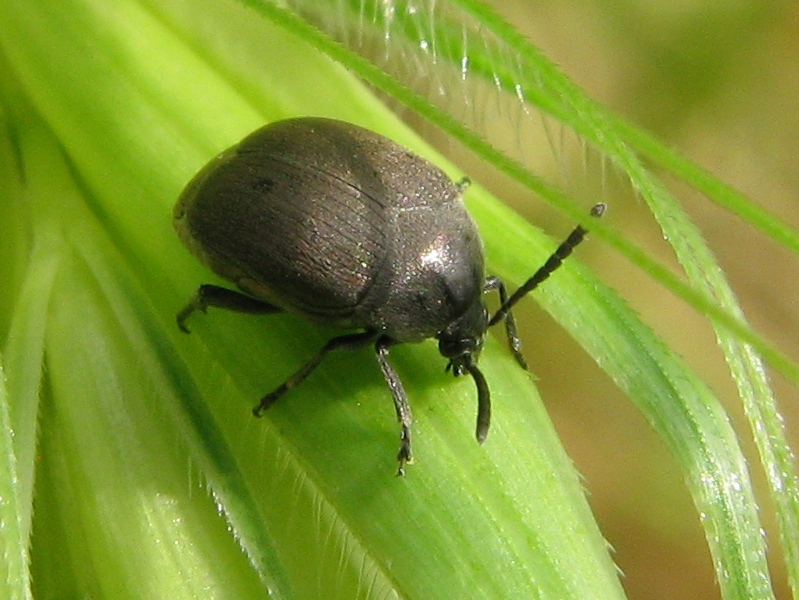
461 343
462 340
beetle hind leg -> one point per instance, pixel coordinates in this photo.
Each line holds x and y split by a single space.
220 297
401 404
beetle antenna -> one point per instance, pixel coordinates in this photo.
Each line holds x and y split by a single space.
483 402
553 262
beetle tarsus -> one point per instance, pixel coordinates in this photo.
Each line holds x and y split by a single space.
269 400
401 405
404 456
197 303
182 316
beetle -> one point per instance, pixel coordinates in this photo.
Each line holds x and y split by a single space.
347 228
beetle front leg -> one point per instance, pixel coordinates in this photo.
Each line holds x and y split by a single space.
401 404
220 297
515 342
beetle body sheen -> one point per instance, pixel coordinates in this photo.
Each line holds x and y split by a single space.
349 229
339 224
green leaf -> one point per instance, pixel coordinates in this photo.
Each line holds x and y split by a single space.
110 109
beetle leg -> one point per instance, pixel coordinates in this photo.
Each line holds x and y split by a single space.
342 342
515 342
401 404
214 295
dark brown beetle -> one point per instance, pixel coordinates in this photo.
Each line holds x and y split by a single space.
347 228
